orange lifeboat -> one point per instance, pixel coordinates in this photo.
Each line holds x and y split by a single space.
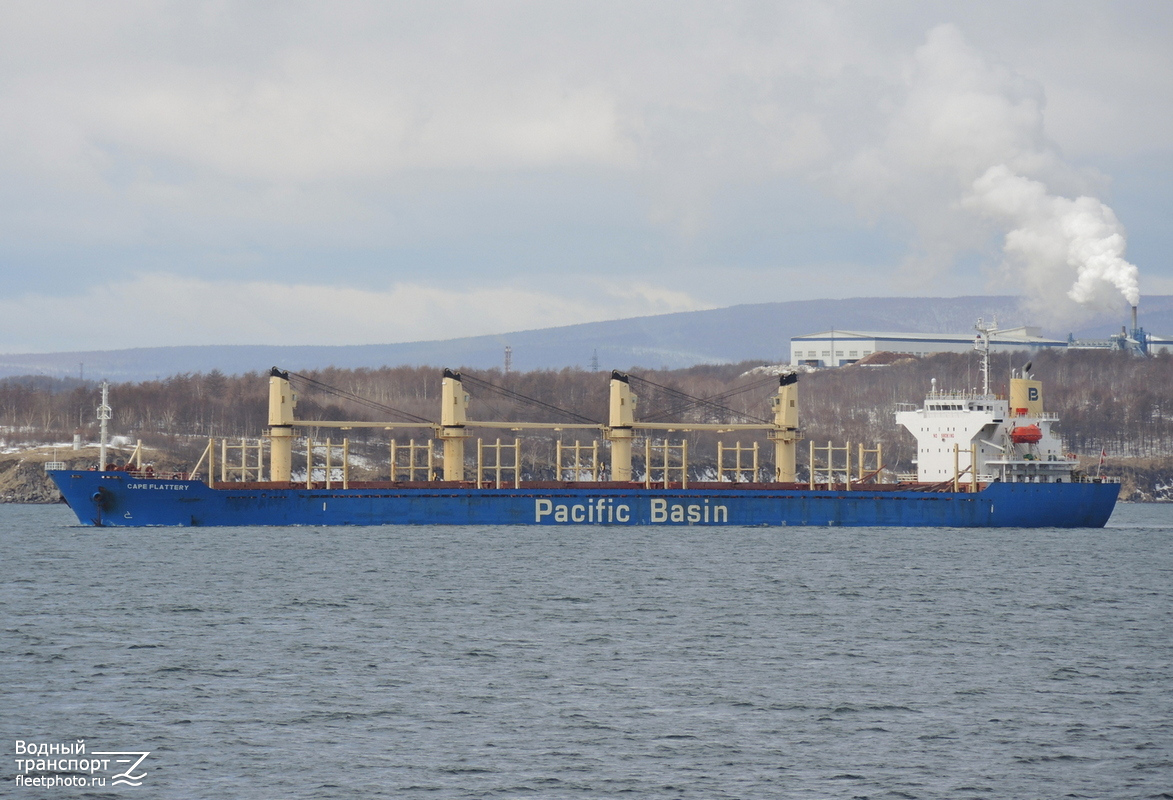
1027 434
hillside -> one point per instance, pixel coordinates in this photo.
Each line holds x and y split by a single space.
1108 402
670 341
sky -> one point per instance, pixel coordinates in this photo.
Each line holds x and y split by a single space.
183 173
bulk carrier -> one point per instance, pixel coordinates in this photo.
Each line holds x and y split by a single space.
983 460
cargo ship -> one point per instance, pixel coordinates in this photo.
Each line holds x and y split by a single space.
983 460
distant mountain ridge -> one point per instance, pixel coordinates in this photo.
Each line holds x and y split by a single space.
722 335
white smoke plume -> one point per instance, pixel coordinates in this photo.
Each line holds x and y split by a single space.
1054 236
966 137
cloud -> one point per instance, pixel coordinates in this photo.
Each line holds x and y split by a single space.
343 96
965 147
536 144
955 116
331 127
162 310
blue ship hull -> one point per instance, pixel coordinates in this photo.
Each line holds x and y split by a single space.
121 499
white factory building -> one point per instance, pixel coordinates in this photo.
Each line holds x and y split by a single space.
1158 344
837 348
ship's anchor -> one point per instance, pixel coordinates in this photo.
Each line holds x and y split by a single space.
100 501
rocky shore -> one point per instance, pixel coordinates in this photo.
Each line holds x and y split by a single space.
23 478
1142 480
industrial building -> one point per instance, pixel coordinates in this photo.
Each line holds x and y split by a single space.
836 348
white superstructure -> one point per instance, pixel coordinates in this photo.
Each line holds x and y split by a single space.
975 437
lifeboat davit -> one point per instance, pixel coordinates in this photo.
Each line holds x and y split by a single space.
1027 434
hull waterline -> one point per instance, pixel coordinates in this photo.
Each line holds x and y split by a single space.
121 499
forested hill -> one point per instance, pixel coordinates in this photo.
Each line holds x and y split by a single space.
723 335
1106 400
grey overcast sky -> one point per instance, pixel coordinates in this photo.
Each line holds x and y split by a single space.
366 172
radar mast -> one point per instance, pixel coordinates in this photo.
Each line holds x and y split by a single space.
982 345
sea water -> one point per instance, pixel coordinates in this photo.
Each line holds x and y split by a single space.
501 662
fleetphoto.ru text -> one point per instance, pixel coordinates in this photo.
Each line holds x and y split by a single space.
47 765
